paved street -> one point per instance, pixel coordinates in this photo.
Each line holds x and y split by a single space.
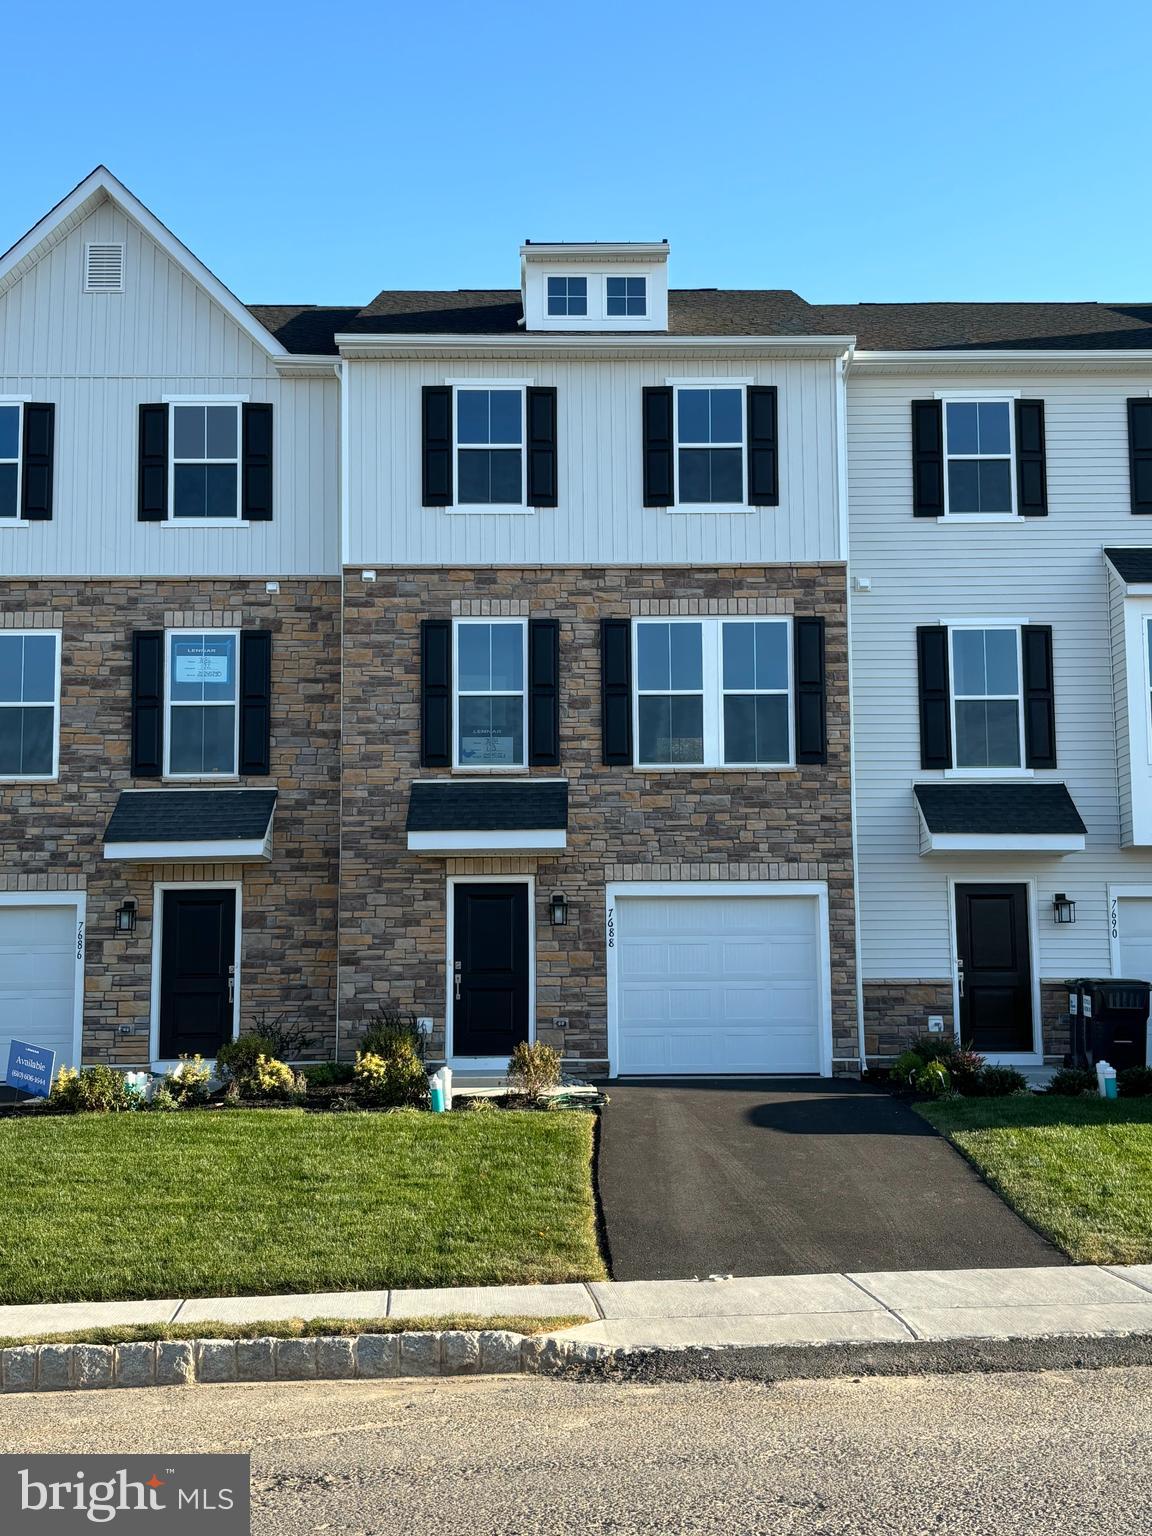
1061 1452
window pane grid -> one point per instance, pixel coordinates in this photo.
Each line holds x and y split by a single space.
567 295
489 443
10 419
28 705
986 698
626 295
710 445
491 693
203 699
206 461
978 451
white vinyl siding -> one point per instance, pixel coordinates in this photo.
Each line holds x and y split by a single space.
1046 570
601 517
99 361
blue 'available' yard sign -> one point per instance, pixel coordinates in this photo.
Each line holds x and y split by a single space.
30 1068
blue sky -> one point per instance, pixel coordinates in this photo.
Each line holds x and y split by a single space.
847 150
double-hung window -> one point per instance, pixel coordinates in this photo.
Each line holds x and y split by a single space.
29 704
489 446
978 449
202 672
987 698
10 436
568 296
716 692
710 444
491 703
205 477
626 296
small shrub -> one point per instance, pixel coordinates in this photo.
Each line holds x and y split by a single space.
940 1047
274 1079
286 1038
906 1066
1072 1082
236 1059
1134 1082
328 1074
390 1030
966 1068
100 1089
189 1082
395 1081
998 1082
472 1104
932 1078
163 1098
534 1069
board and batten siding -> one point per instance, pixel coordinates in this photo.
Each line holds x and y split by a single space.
1047 570
601 518
98 357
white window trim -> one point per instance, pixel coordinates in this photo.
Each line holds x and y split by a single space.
171 635
1021 770
472 507
1146 637
19 401
712 692
709 506
1001 397
645 312
39 778
159 887
498 768
239 521
485 1063
78 900
589 287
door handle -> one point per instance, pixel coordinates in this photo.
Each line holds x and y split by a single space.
231 989
960 976
457 978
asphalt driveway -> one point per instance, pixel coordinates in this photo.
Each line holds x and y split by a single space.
779 1177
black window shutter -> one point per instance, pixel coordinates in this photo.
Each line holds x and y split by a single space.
436 693
658 447
616 691
152 504
148 703
1031 474
543 483
436 407
763 447
1039 697
1140 452
935 703
36 470
927 458
543 692
256 470
256 701
810 691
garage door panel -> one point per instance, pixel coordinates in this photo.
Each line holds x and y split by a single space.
37 978
718 984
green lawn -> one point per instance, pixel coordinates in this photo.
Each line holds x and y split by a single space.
1080 1170
242 1202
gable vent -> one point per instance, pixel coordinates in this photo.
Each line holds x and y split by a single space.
103 268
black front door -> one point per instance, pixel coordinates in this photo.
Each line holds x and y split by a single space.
197 971
994 967
490 968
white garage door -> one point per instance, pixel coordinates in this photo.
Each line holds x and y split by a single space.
1134 941
716 984
37 979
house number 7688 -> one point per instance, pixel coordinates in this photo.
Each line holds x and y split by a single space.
611 927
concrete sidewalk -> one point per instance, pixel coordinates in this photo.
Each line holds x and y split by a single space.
889 1307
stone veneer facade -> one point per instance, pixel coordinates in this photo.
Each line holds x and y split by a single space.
896 1013
624 823
51 834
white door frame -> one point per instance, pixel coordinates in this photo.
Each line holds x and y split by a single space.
485 1063
158 1063
78 900
1034 1057
622 889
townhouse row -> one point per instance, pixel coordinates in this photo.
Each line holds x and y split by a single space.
705 682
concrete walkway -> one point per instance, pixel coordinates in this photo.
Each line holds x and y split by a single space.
886 1307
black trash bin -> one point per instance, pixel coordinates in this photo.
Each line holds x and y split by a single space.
1110 1021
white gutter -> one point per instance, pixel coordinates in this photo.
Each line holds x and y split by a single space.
658 343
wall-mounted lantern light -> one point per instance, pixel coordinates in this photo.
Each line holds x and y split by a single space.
126 916
558 909
1063 910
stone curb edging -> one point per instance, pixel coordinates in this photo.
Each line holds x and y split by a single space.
364 1356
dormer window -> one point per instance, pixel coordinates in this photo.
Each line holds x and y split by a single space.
626 296
568 296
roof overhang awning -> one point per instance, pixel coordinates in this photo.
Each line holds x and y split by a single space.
451 817
1133 569
182 826
998 818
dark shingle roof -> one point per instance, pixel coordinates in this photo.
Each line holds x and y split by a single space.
739 312
190 815
998 809
1132 564
489 805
